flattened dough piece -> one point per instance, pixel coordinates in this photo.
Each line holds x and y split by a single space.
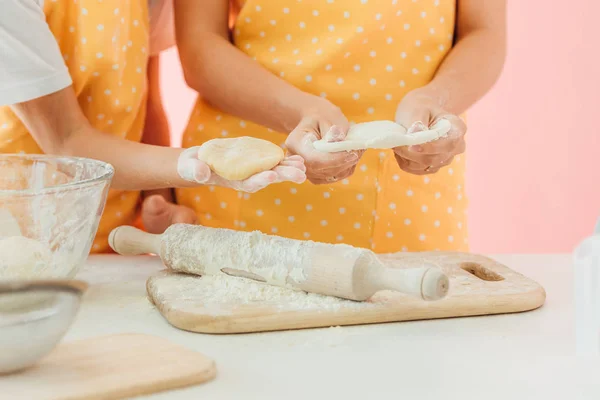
382 135
237 159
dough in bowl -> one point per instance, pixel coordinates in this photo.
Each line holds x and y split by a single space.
237 159
382 135
8 224
23 258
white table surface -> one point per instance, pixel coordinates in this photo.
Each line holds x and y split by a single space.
517 356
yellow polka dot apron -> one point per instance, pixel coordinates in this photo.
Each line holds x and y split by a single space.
364 56
104 45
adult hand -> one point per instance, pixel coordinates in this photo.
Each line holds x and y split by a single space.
418 112
190 168
323 121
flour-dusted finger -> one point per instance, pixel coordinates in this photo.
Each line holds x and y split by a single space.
335 134
300 142
427 160
190 168
256 182
332 176
289 174
458 127
414 168
293 158
453 142
298 164
417 126
442 146
319 161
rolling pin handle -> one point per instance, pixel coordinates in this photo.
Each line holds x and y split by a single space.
429 283
435 284
130 241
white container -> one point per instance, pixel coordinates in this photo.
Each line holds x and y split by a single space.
587 296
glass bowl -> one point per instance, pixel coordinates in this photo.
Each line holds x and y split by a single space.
50 208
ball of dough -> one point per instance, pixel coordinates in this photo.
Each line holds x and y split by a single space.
23 258
237 159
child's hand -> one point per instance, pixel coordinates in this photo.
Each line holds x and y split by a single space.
417 112
323 168
190 168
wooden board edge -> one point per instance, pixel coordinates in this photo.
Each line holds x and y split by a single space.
222 325
159 386
208 374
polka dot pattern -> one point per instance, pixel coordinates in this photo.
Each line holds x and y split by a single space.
364 56
102 45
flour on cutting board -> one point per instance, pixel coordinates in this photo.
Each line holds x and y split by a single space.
211 305
221 294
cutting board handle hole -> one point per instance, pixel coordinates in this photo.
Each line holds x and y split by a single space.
481 272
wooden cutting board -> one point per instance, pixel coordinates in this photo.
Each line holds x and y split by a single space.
109 367
478 286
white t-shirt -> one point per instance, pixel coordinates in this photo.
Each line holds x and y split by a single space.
31 64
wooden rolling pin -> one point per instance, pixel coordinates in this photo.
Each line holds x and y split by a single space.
331 269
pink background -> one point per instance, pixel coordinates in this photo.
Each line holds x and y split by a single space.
533 174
